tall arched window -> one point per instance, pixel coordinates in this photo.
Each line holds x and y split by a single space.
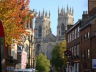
62 29
39 31
37 49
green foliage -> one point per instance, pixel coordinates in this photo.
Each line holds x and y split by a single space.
58 57
42 63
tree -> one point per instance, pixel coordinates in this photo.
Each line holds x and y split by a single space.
13 15
42 63
58 57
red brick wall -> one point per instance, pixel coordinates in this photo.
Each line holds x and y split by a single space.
84 46
91 4
93 40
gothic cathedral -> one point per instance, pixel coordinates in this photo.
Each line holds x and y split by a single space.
44 39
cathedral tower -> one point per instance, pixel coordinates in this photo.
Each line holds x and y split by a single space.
42 28
42 25
65 18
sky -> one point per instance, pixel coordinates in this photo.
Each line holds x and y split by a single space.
52 5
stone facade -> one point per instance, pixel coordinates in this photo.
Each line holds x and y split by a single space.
65 18
44 39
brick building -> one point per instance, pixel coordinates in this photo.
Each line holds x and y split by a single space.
73 45
91 5
86 41
81 39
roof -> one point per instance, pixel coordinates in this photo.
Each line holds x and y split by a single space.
73 26
50 38
88 22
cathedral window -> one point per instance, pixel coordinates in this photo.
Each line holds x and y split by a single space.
62 29
38 48
39 31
